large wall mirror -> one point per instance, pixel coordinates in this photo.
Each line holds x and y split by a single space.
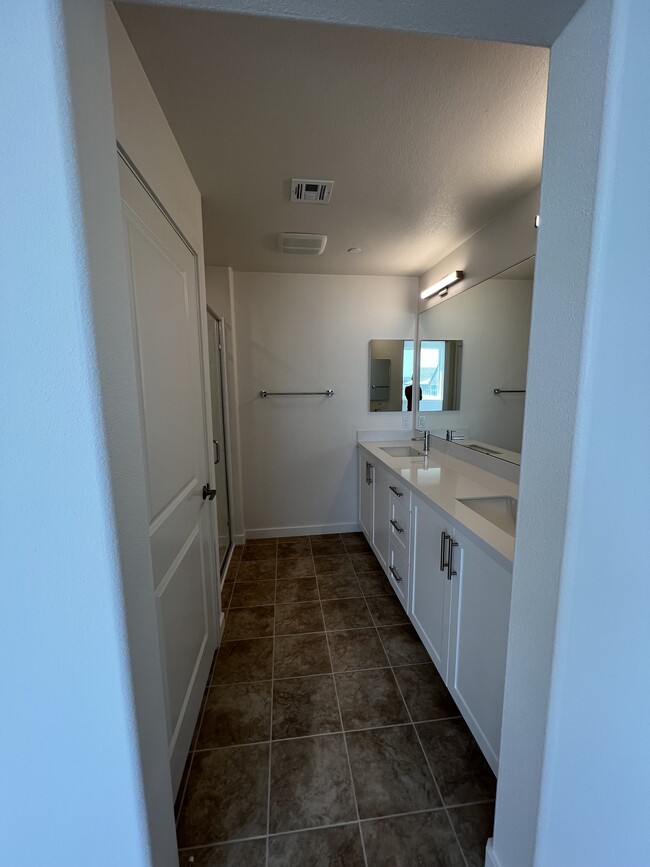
391 375
484 330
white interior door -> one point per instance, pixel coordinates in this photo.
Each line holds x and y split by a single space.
168 332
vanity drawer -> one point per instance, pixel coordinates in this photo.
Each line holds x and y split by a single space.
400 494
400 527
399 573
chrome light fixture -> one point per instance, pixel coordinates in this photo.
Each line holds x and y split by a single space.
439 287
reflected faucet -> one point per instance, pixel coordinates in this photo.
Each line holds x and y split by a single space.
425 437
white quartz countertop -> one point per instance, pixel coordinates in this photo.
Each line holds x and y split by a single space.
442 480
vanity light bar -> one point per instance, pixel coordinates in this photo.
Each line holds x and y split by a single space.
441 285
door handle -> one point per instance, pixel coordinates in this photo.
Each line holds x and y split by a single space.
369 469
397 526
217 451
450 557
209 493
443 543
396 491
395 574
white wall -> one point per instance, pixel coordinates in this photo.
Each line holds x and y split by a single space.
573 787
309 333
493 321
84 758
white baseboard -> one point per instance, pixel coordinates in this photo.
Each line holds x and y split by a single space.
313 530
491 859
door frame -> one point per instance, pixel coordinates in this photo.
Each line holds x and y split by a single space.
228 430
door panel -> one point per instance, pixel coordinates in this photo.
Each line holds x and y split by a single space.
430 590
166 317
182 610
479 642
167 314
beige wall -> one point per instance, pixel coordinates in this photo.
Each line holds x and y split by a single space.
300 332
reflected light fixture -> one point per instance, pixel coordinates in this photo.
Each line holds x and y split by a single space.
439 287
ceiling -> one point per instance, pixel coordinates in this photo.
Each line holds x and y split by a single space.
426 138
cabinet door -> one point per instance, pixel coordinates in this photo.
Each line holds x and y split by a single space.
430 598
381 524
366 498
479 637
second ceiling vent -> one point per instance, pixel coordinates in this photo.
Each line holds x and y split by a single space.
313 192
301 243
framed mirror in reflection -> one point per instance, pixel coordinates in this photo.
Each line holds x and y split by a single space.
391 375
490 324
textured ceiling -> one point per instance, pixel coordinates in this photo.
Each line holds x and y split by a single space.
426 138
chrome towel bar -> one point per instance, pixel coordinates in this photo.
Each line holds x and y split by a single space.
265 393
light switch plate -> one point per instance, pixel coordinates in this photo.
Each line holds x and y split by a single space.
406 420
421 421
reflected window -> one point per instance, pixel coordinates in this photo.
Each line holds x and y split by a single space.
432 374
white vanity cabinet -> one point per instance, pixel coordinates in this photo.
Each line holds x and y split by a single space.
381 527
366 495
429 605
478 639
457 594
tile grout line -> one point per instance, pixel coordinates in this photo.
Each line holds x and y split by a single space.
325 734
268 796
344 824
426 758
345 740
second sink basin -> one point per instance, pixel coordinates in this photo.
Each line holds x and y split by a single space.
500 511
401 451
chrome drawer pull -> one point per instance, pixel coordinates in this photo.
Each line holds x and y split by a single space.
396 491
397 526
396 574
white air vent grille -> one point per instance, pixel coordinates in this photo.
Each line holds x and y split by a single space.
296 242
314 192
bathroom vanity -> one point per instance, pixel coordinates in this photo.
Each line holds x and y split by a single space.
443 531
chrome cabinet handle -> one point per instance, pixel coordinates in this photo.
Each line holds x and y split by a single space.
450 557
396 574
217 452
396 491
443 543
397 526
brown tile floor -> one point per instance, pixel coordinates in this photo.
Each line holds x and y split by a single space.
326 735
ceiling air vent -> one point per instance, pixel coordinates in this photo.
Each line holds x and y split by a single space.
307 245
315 192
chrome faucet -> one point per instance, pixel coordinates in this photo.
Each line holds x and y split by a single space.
425 437
451 438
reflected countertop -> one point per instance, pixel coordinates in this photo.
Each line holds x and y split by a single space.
442 480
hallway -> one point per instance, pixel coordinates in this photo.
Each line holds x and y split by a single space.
326 736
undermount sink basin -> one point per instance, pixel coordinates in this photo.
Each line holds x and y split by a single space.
402 452
500 511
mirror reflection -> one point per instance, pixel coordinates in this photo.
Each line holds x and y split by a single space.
491 322
391 375
440 369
